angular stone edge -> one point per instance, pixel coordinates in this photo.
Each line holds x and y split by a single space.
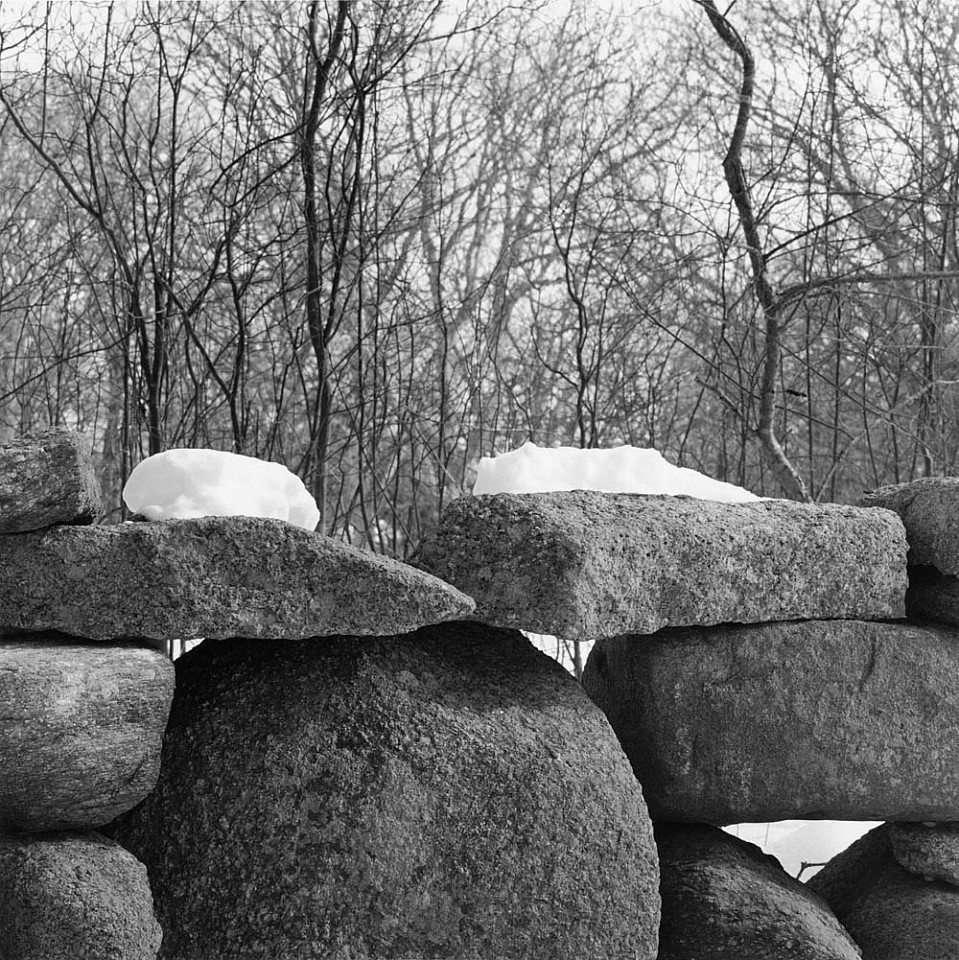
929 508
46 479
523 558
217 577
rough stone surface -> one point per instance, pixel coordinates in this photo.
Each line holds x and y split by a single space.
212 577
74 897
889 912
585 565
80 730
930 513
45 480
843 720
448 793
725 898
930 851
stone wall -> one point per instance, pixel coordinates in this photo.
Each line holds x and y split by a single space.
366 759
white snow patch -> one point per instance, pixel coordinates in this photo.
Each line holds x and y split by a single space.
625 469
185 483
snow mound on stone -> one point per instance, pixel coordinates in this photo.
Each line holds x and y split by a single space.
183 484
625 469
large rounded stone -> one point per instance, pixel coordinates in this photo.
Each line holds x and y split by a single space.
725 898
890 913
447 793
80 730
74 897
818 720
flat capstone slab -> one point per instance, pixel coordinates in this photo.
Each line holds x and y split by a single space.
584 565
81 727
217 577
838 720
45 480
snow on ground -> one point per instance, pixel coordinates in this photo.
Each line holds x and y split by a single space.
532 469
797 842
181 483
625 469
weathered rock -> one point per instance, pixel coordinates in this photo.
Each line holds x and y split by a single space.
448 793
74 897
847 878
45 480
80 730
929 509
890 913
930 513
725 898
212 577
930 851
845 720
584 565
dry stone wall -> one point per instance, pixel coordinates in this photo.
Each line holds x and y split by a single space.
346 767
81 726
787 683
366 759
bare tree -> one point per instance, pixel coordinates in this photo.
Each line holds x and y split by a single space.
772 306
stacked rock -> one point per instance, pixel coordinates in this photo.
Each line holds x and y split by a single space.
897 889
80 729
349 769
753 661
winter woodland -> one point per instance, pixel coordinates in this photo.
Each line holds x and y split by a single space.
377 241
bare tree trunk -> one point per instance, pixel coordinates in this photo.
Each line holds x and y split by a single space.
314 92
771 306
